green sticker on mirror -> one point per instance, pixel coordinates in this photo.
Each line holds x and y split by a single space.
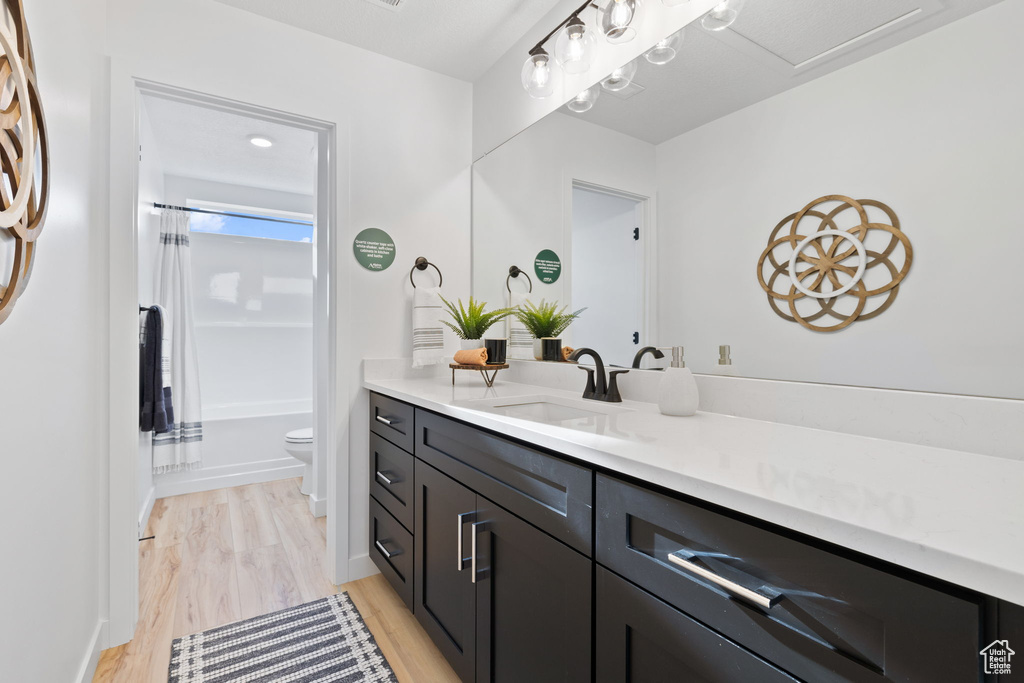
374 249
548 266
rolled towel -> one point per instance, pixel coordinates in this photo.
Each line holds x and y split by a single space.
471 357
566 352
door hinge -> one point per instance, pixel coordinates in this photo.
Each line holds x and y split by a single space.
636 337
636 233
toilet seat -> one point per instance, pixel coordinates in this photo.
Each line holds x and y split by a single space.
299 436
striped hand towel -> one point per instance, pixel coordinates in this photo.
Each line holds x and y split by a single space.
427 331
520 339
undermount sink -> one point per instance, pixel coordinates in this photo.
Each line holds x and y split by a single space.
543 408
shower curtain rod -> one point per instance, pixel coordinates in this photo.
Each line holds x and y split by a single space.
233 215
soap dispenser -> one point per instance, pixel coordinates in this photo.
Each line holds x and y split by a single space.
725 366
677 393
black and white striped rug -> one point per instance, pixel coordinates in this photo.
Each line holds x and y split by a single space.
324 641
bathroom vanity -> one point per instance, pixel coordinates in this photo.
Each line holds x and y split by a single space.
626 545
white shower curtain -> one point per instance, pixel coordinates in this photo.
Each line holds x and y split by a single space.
181 448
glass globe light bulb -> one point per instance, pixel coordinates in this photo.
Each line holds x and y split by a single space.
619 78
619 19
722 16
584 101
574 48
665 50
537 78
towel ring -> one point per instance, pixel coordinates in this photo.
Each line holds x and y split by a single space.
421 264
514 271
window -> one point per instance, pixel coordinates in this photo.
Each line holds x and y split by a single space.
227 219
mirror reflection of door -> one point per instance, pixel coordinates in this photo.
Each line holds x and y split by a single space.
607 273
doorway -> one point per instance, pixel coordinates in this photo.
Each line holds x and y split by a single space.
608 272
307 388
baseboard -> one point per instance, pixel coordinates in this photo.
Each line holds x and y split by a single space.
212 478
87 669
317 506
147 508
360 567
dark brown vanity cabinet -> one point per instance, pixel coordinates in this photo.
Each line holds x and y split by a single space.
502 600
525 566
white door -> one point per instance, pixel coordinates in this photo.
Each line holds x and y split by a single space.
607 258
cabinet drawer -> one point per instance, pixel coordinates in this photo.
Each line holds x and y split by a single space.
391 550
831 618
548 492
643 640
391 472
393 420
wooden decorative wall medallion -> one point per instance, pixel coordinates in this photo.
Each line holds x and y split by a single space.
832 263
24 162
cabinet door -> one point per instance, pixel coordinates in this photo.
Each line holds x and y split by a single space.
444 593
644 640
533 596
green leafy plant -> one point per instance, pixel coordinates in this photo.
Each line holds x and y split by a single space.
472 321
544 319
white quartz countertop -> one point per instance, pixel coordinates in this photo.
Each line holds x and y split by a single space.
949 514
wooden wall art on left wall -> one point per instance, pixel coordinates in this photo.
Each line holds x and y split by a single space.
24 156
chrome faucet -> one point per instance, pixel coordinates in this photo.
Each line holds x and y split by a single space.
656 353
598 388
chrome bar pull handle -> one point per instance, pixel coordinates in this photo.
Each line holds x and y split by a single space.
380 475
380 547
461 519
383 420
764 597
472 551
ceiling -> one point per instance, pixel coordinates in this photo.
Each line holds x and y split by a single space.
775 45
460 38
208 144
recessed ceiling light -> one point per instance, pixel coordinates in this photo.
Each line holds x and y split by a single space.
260 141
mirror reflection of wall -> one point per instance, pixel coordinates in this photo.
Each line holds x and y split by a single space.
746 126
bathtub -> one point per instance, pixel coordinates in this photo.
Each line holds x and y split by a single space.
243 443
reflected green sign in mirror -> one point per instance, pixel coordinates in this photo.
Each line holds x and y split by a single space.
374 249
548 266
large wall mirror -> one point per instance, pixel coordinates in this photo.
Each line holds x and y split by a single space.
660 198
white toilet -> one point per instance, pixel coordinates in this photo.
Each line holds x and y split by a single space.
299 444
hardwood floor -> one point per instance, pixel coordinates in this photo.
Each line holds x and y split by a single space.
220 556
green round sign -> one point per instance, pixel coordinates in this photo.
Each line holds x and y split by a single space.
548 266
374 249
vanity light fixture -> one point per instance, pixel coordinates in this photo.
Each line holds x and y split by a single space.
722 16
574 47
619 78
537 78
666 49
260 141
619 19
585 100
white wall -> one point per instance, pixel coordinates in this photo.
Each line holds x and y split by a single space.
53 351
933 129
522 199
501 108
404 169
151 189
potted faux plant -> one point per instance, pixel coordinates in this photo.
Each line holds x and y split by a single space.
472 321
545 321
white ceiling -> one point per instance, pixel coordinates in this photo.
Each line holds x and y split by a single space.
460 38
208 144
775 45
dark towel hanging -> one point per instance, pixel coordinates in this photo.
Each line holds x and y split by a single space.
154 410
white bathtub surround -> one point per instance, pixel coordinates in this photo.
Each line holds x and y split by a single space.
242 446
949 514
181 448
